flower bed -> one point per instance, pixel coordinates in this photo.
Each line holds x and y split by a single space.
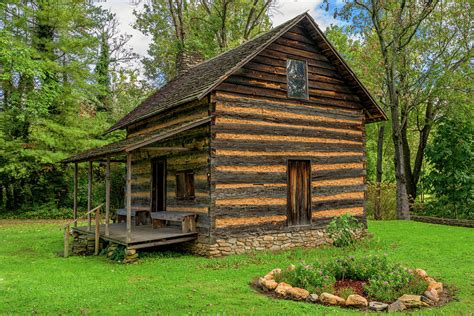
366 282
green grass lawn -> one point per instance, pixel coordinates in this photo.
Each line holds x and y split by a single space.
33 279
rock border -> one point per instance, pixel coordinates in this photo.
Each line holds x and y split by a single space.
435 295
443 221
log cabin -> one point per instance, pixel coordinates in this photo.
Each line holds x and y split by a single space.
257 148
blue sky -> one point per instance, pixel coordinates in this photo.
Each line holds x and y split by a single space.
285 10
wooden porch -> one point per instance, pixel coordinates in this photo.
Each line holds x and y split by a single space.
144 236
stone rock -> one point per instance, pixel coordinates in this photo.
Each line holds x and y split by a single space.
422 273
426 300
378 306
267 284
297 294
429 280
356 300
313 298
282 288
271 275
130 252
432 295
437 286
411 300
330 299
396 306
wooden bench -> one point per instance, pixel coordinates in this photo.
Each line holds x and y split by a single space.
187 220
139 217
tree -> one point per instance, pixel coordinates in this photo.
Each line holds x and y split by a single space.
207 27
451 158
48 95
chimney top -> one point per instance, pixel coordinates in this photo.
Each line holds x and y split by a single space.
187 59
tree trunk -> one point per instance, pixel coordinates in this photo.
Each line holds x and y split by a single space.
413 175
378 181
403 208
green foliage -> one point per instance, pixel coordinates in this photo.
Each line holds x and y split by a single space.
388 203
342 230
206 27
451 176
386 281
388 286
315 279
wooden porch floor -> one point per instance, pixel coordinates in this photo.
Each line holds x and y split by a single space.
142 236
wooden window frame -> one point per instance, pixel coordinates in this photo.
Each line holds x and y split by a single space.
192 190
306 97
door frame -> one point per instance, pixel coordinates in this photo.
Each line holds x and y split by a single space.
309 160
154 162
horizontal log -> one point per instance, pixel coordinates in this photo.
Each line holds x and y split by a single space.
281 160
165 115
296 113
296 53
275 146
300 103
293 140
336 204
301 45
278 75
276 130
272 64
258 191
283 167
276 94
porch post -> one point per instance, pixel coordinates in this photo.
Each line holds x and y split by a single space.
74 207
89 195
107 196
129 195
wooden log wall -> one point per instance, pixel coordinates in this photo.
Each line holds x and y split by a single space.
189 150
257 128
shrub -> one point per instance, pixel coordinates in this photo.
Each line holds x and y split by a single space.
313 278
386 281
388 286
342 230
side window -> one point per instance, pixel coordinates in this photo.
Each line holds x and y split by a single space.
297 78
185 185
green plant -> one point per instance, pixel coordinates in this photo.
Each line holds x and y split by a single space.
118 253
451 168
345 292
313 278
342 230
388 286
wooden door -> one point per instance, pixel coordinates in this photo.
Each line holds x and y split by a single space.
158 188
299 192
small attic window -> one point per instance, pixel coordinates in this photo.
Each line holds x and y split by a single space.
297 77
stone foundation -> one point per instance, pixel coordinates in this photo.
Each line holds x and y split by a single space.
246 242
84 245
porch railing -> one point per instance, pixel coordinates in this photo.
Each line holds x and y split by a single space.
67 230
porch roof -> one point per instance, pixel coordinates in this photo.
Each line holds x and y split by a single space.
132 143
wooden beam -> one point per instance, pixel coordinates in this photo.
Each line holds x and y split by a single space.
107 197
165 149
74 207
97 232
129 196
89 195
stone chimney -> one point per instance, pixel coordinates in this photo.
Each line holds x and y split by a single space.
187 59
